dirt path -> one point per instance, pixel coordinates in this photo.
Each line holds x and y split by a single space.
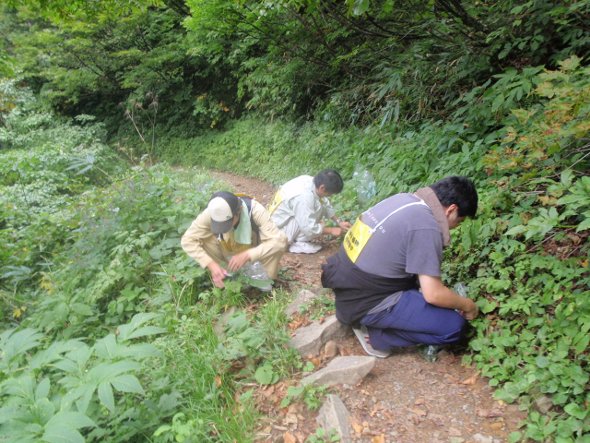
405 399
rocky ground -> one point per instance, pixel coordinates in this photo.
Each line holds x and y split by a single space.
403 399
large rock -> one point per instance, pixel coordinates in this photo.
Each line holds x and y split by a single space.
342 370
310 339
334 416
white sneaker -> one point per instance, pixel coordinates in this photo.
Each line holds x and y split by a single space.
303 247
363 336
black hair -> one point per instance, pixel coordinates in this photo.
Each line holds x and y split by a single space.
331 180
232 200
457 190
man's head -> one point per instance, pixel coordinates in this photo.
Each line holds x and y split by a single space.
328 182
224 209
458 196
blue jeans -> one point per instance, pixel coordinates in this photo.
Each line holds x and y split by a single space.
413 321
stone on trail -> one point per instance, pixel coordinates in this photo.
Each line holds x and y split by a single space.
333 415
480 438
348 370
310 339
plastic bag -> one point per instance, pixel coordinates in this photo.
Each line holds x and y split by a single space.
254 274
460 289
364 184
255 270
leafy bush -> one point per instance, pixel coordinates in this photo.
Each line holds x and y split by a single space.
89 262
52 390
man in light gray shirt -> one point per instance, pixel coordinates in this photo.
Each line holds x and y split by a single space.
300 205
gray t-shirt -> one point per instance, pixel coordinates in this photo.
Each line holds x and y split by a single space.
409 242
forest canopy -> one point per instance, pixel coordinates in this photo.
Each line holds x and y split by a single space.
349 62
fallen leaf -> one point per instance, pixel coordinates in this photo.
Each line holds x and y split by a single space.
378 439
317 361
358 428
289 438
470 381
497 426
419 412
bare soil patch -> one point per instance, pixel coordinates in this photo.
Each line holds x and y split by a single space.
405 398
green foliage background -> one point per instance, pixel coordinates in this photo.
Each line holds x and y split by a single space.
93 93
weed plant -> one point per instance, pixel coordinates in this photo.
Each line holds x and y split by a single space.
109 331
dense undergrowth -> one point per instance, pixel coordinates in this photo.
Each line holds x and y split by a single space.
525 142
108 329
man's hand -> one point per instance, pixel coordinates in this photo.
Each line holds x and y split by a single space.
217 274
344 225
333 231
437 294
472 310
238 260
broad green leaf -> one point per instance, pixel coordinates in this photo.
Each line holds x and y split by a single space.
42 390
70 419
581 343
145 331
83 396
542 362
141 351
497 103
44 410
237 322
54 353
82 309
127 383
265 375
107 371
80 355
126 331
576 411
105 395
14 343
23 387
359 7
168 402
61 434
107 347
62 428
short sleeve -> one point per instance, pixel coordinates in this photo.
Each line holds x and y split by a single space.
424 252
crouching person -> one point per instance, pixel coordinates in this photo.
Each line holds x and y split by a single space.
235 230
387 274
300 205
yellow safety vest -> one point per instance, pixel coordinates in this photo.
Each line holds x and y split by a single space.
357 237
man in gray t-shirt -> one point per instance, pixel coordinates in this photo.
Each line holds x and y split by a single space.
387 276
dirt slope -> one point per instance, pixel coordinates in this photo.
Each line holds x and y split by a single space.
405 399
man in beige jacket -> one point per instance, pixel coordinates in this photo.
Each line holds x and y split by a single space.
236 230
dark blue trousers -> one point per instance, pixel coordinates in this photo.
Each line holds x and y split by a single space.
413 321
